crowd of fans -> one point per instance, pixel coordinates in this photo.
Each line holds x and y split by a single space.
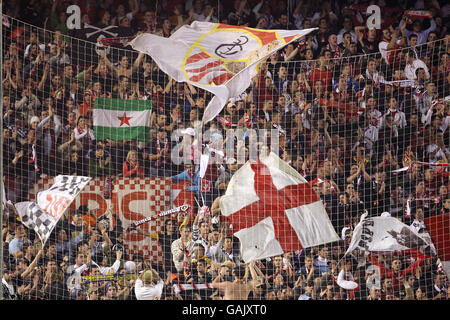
352 106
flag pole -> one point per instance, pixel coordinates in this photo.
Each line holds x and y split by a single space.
1 150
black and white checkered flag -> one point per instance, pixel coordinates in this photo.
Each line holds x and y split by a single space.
33 217
43 216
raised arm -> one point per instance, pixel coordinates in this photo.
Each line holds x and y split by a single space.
32 264
138 60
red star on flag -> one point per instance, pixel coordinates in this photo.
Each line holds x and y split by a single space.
124 119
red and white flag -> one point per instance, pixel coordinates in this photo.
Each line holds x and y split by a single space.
273 210
219 58
439 229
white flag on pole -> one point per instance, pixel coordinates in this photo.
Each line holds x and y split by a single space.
51 204
219 58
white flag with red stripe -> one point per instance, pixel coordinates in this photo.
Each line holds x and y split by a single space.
439 229
219 58
274 210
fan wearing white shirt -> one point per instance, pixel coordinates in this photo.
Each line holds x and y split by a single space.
418 222
149 286
398 116
412 65
437 150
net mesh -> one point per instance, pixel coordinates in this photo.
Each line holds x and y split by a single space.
365 130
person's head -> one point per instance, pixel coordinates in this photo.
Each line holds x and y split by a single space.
20 232
111 292
80 258
268 105
420 293
386 34
132 156
309 54
189 167
375 293
347 24
323 23
278 261
185 232
323 252
420 186
169 225
413 40
198 250
81 122
420 72
124 81
393 103
194 114
204 227
396 265
417 26
68 71
446 203
99 152
239 272
410 56
372 65
228 243
439 280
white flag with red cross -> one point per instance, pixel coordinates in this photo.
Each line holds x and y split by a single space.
219 58
273 210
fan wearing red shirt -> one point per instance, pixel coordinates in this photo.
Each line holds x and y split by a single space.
131 168
321 73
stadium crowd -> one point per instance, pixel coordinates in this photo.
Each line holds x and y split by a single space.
352 106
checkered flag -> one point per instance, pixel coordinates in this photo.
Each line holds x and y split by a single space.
33 217
43 216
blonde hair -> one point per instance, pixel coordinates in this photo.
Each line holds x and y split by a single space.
129 154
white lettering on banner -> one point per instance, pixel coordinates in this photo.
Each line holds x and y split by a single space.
374 21
74 20
132 200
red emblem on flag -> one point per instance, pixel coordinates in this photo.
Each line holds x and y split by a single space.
124 119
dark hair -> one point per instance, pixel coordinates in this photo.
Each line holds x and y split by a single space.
239 271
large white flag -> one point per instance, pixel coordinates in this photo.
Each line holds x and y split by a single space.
219 58
51 204
384 234
273 210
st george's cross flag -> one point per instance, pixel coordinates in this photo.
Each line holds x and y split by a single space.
218 58
122 119
273 210
52 203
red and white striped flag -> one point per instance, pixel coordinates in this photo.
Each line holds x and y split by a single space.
273 210
219 58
